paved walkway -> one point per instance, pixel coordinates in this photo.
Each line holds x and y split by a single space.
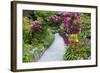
55 52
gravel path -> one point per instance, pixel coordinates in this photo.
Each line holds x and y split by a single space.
55 52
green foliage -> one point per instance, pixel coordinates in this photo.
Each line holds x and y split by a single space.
27 57
43 14
86 29
40 41
27 36
79 53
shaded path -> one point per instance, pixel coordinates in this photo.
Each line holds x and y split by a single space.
55 52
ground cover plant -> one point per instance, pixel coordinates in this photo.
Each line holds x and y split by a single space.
40 27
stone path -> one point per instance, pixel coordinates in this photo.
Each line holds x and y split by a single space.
55 52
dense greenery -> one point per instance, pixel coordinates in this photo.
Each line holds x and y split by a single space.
78 53
83 49
35 41
39 28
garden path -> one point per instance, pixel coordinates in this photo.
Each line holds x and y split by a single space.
55 52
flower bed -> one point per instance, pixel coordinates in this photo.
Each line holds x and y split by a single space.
81 52
39 28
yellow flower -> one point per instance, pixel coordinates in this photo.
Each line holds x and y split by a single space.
73 37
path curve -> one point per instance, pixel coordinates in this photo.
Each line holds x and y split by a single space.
55 52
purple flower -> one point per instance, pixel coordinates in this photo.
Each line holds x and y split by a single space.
65 13
77 17
36 26
75 14
55 19
66 39
73 29
67 21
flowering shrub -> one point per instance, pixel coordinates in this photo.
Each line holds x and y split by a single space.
55 19
71 21
37 36
39 28
36 26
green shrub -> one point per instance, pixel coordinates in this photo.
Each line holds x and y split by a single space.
27 57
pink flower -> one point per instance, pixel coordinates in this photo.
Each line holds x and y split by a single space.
63 13
67 21
75 15
55 19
